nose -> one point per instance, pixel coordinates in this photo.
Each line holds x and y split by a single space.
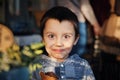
59 42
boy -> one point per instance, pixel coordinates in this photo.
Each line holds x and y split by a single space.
60 32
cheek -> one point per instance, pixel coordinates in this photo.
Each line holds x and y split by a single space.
48 43
68 47
69 44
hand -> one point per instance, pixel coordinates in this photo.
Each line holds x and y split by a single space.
97 29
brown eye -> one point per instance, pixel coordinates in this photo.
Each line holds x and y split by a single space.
67 36
51 36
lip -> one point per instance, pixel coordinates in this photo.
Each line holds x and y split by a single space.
58 50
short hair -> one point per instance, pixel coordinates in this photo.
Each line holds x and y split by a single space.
60 13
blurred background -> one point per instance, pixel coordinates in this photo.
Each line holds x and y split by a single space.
22 17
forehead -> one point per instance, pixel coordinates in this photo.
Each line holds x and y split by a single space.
56 25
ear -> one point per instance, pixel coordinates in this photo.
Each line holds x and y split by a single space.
76 40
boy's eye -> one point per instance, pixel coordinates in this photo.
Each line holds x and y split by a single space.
50 36
67 36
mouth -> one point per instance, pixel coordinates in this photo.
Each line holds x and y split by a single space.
58 50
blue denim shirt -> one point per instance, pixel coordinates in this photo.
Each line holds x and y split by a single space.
73 68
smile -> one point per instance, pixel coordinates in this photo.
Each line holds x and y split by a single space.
58 50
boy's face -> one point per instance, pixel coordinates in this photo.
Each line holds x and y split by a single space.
59 38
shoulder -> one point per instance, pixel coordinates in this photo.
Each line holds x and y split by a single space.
40 59
37 62
78 60
76 57
36 66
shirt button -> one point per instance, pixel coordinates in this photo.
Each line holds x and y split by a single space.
62 77
62 65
